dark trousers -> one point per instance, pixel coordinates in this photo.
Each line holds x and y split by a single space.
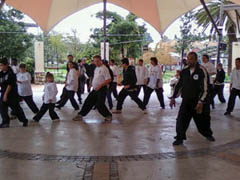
211 94
113 89
31 104
44 108
69 95
159 93
64 92
133 94
16 108
139 87
109 98
89 84
186 113
218 90
97 99
80 90
231 101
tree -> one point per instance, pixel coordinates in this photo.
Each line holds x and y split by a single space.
13 37
203 20
188 34
125 36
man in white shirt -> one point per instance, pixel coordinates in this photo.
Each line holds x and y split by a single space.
211 71
113 85
234 87
155 83
98 95
142 75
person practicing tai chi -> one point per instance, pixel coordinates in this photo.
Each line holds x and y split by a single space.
154 83
142 76
193 84
9 95
97 96
25 88
71 87
130 87
49 99
234 87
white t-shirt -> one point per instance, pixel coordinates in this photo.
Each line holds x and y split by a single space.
24 88
15 69
210 69
235 78
142 74
50 93
155 73
115 71
101 74
72 80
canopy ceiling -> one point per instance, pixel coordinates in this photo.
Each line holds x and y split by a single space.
159 13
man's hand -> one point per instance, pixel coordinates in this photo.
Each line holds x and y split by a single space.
5 98
98 88
172 103
19 82
50 100
126 87
199 108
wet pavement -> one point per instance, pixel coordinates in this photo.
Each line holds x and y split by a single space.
134 146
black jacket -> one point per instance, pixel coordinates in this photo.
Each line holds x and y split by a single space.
193 87
129 77
8 78
220 77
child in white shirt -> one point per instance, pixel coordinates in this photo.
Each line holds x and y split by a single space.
71 86
49 99
25 89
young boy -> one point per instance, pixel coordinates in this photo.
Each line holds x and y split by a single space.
25 89
49 99
9 95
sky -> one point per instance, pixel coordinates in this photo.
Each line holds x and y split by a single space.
84 21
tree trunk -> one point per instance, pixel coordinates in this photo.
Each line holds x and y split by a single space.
231 38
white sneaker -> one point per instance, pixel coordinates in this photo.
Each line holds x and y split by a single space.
145 111
55 120
117 111
78 118
108 118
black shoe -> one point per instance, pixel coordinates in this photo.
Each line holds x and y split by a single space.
4 126
210 138
227 113
25 123
178 142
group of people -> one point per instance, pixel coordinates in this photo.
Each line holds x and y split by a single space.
194 83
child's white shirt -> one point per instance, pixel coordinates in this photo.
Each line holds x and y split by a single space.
50 93
24 88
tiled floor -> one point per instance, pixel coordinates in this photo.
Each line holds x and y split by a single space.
135 146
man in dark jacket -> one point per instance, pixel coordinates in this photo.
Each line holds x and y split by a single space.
193 84
9 95
219 84
130 88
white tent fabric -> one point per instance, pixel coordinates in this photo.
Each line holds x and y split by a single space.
159 13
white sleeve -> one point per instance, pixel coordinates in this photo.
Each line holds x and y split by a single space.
160 73
213 69
145 73
106 74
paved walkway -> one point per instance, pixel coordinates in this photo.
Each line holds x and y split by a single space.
135 146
